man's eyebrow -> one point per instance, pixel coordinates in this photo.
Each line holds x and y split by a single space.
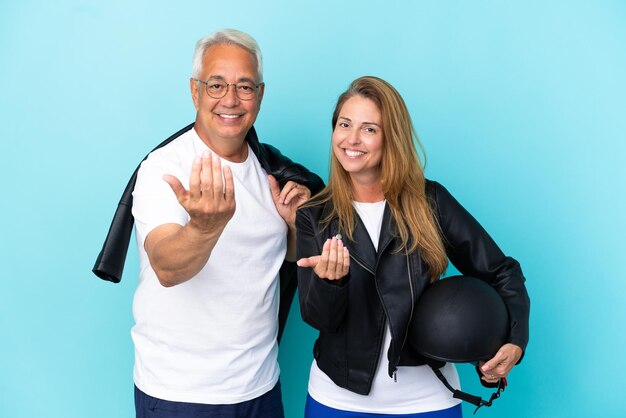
246 80
240 80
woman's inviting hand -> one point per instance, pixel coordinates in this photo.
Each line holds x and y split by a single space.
332 264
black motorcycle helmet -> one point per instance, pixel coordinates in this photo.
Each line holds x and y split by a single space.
460 319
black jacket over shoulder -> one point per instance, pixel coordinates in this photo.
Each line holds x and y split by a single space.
383 286
110 262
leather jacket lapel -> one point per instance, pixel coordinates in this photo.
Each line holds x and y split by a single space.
361 247
388 231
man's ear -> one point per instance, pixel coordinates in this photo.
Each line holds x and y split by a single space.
195 93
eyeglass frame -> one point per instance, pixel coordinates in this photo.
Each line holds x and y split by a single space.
206 88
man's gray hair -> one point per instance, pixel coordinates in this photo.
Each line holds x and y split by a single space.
226 37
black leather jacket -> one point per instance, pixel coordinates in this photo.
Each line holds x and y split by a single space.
110 262
383 286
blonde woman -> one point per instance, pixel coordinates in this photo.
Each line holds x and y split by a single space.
368 245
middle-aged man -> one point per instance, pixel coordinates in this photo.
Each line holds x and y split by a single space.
213 230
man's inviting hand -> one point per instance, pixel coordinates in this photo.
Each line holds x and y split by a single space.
210 201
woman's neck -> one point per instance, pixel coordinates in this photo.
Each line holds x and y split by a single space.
367 191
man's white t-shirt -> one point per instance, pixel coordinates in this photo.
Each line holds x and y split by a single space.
416 389
211 339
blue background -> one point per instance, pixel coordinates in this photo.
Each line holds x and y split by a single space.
520 105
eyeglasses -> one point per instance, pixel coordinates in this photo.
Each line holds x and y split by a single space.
218 88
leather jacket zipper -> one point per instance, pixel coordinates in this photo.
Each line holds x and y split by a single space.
406 332
362 265
408 268
381 338
395 378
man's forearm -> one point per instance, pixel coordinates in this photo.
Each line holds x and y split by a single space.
178 253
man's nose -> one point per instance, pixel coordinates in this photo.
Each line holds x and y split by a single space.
230 99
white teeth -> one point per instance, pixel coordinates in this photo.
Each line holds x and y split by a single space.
351 153
229 116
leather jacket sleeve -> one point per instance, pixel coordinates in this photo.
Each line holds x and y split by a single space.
109 264
284 170
473 252
323 303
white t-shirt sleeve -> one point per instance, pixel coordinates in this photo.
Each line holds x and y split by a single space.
154 201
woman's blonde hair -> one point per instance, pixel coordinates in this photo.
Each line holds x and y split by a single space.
402 178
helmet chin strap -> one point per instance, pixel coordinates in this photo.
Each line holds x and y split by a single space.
474 400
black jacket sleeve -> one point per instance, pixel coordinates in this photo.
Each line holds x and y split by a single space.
109 264
323 304
474 253
284 170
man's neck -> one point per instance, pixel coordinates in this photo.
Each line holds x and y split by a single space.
231 149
